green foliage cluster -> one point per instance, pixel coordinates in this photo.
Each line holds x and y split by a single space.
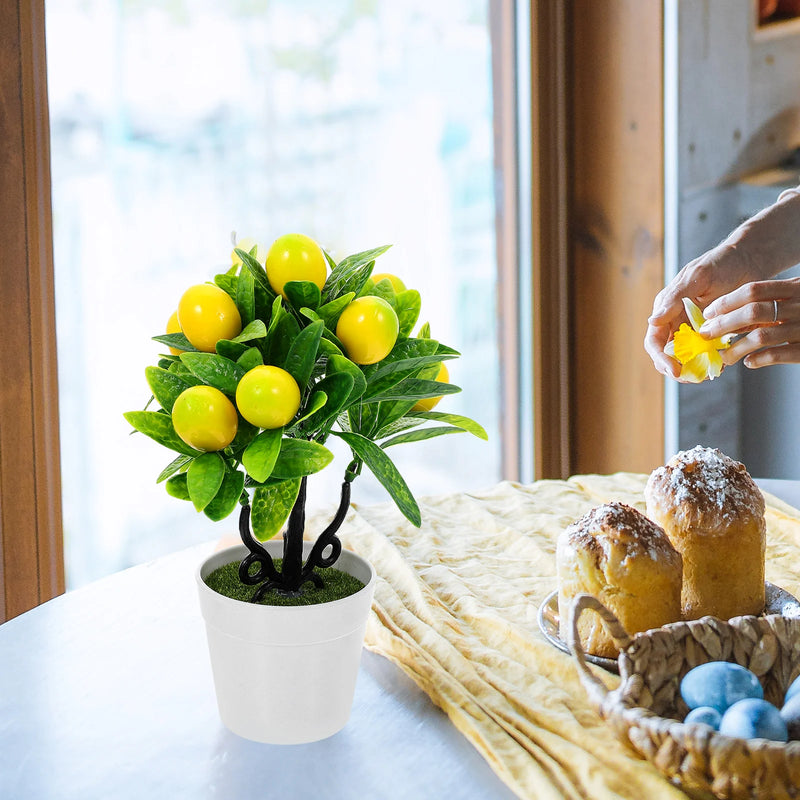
370 407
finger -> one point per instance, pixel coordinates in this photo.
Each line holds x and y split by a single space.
783 354
761 339
739 319
753 292
655 340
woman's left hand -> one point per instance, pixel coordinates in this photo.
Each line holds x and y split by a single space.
767 314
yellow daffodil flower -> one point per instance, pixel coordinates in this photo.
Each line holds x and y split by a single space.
699 357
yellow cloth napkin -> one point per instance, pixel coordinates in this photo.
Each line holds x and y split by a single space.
456 606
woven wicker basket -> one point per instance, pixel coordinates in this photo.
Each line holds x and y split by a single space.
646 709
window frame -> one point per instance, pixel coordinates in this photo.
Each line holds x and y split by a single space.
31 540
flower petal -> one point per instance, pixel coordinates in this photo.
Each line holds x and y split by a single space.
670 348
694 313
696 370
715 365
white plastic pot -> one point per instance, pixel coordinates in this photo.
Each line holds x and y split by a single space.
285 675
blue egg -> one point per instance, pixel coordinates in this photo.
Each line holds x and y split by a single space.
790 713
794 688
719 684
754 719
704 715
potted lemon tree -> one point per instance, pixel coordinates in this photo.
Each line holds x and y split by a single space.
268 361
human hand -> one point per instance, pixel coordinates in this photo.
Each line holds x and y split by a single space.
702 280
767 314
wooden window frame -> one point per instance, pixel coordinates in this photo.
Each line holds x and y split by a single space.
31 541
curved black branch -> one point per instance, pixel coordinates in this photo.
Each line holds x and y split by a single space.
328 537
293 574
258 555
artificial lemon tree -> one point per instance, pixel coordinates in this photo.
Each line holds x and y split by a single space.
267 363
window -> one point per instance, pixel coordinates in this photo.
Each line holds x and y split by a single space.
360 123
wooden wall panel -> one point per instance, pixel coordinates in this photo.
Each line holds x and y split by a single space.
616 232
31 553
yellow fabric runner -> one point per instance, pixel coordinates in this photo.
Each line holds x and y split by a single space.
456 606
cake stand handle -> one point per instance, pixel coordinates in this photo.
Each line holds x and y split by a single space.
595 688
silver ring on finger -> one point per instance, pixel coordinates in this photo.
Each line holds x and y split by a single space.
775 311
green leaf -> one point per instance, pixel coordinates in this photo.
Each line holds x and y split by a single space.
331 312
228 283
245 433
277 313
328 346
337 387
250 358
280 339
389 412
227 498
459 421
179 368
315 403
216 371
350 274
363 418
302 294
204 477
400 425
264 302
392 373
261 454
385 291
158 427
444 350
173 467
271 506
338 364
303 353
231 350
299 457
329 258
424 331
176 487
413 389
245 298
407 305
176 340
258 272
254 330
166 386
420 435
403 350
385 471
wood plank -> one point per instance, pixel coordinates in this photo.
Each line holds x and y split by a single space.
31 554
616 232
549 245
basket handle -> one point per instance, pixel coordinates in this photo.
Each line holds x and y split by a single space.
596 689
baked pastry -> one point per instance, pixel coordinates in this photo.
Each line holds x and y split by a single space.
627 562
713 513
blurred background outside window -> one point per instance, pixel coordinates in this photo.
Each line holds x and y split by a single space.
176 122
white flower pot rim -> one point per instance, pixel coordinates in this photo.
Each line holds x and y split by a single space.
334 611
